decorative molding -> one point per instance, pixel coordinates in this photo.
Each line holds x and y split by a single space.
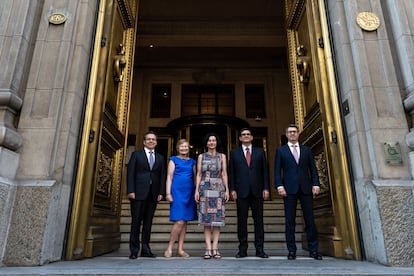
208 76
321 166
127 17
295 13
240 28
296 91
10 104
105 174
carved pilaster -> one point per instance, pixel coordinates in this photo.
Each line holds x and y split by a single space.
292 45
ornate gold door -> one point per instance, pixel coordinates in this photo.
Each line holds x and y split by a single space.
94 225
318 115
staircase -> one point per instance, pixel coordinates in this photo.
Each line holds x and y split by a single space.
228 243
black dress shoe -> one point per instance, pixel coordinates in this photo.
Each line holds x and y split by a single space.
261 254
315 255
291 256
133 256
241 254
148 254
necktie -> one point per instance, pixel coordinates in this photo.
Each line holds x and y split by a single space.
248 157
295 153
151 159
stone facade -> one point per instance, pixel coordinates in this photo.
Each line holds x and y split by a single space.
48 69
370 66
43 88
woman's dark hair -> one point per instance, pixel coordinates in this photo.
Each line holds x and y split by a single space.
208 135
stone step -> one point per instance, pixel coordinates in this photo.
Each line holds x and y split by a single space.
229 228
116 265
194 242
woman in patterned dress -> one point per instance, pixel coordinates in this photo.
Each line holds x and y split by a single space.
211 193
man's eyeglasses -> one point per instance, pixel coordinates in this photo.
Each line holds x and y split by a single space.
245 134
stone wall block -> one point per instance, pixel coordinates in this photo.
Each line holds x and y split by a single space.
395 205
9 161
34 212
371 223
39 143
7 194
411 157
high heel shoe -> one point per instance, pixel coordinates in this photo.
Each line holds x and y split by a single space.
207 254
216 254
183 254
168 254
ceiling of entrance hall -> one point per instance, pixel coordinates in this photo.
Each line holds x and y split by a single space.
211 33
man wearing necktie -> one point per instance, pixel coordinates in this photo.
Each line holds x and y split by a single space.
296 178
249 186
146 175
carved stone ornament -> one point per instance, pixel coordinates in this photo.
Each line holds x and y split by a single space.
105 175
302 64
57 18
321 166
119 64
368 21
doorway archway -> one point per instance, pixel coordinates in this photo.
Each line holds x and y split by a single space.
195 127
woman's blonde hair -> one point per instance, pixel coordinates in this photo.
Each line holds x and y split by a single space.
180 142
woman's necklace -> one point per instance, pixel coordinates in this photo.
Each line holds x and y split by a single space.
212 153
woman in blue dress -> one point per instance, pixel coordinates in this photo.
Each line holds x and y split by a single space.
180 193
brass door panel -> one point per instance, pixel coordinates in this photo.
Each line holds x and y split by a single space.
95 219
319 119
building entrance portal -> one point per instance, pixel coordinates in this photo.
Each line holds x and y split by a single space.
148 83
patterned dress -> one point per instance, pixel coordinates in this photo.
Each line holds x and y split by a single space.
212 191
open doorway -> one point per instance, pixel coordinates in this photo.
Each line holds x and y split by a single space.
198 133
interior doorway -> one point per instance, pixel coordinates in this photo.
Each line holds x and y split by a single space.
197 138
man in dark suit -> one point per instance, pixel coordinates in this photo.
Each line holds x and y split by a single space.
146 176
249 186
296 178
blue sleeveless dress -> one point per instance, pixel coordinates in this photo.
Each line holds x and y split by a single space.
183 206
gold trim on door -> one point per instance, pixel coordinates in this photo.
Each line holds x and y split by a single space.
319 118
95 218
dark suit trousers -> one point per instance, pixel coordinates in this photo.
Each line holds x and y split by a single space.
142 212
306 202
256 205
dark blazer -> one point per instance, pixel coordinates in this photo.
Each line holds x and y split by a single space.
243 178
294 176
141 180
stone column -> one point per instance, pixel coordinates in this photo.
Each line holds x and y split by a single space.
402 30
53 62
369 84
16 21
